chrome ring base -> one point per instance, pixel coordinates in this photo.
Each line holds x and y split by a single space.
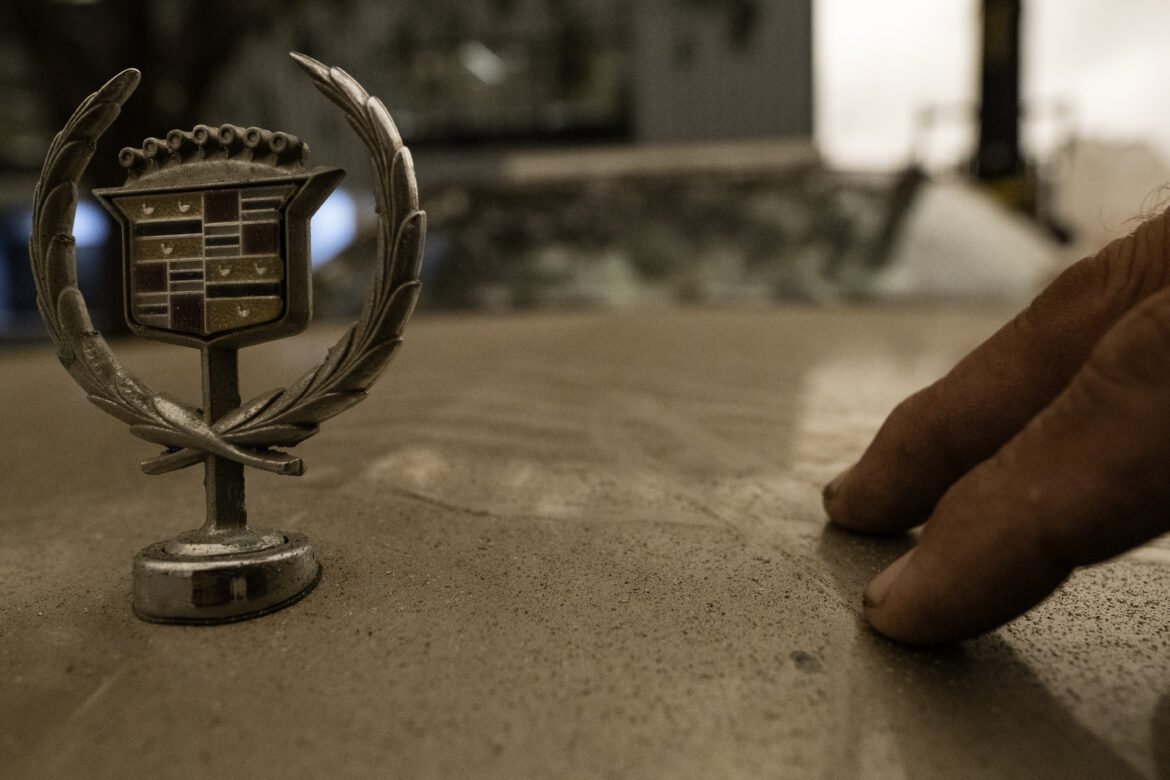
179 581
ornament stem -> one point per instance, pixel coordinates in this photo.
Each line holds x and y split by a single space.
223 479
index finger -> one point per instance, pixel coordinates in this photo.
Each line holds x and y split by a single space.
939 434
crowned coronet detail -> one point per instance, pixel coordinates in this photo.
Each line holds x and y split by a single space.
261 150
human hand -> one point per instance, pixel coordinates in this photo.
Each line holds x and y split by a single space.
1045 449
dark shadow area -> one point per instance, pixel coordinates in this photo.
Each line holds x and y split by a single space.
1160 737
970 709
980 705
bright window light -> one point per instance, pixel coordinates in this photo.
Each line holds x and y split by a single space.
334 227
90 227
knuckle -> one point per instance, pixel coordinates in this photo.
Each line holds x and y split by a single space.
1149 265
921 435
1123 273
1136 351
1090 281
1153 318
1137 266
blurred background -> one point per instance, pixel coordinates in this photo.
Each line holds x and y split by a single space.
597 153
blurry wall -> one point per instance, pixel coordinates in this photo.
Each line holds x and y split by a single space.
719 70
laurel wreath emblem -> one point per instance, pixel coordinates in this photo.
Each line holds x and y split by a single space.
277 418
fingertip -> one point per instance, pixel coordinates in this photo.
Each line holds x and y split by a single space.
834 487
831 492
857 500
890 607
880 586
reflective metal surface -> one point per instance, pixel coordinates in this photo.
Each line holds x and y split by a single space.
188 583
215 229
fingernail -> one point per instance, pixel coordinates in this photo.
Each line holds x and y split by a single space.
831 489
880 586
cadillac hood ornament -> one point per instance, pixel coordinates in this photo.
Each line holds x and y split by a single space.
215 231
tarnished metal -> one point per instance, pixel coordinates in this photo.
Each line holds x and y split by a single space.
193 586
215 228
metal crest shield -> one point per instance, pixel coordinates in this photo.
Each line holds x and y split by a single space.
226 263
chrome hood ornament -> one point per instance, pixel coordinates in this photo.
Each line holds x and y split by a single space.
215 230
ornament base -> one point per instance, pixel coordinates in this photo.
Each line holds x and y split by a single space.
183 581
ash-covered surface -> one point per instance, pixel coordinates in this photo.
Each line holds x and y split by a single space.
554 546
